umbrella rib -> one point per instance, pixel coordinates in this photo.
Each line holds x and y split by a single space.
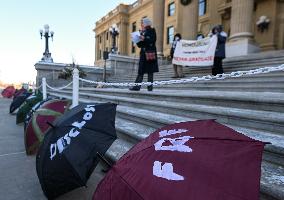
129 186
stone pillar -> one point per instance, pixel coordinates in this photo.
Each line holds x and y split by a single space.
97 48
158 23
123 42
188 20
241 40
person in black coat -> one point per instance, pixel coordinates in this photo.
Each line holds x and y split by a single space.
220 50
148 62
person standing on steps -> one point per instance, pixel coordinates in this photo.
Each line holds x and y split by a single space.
220 49
177 68
148 62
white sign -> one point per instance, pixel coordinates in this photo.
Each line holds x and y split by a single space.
195 53
135 37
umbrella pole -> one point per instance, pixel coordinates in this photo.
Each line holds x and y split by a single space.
102 158
50 124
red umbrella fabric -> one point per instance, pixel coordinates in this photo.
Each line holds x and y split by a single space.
19 92
191 160
8 92
37 126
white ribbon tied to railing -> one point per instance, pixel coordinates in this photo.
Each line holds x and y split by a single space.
236 74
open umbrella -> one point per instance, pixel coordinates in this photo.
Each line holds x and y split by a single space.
31 112
27 106
68 154
18 101
19 92
37 126
191 160
8 92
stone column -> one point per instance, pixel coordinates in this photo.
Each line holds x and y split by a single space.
97 48
123 41
241 40
188 20
158 23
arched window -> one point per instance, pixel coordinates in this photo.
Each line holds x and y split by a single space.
202 7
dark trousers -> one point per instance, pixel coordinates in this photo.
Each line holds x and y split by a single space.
139 79
218 66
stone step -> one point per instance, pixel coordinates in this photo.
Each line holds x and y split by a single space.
247 118
266 101
189 73
272 184
253 80
147 121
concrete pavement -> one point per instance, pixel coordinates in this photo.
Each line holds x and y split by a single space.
18 178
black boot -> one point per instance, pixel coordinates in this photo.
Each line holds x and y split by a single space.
150 79
135 88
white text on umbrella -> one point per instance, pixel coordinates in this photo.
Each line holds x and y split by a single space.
166 171
63 142
177 144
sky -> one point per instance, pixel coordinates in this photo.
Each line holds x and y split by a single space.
72 22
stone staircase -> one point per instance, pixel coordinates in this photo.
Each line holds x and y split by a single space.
252 105
254 61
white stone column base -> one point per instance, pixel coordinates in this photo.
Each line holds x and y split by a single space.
241 48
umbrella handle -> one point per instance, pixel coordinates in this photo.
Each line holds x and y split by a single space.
50 124
102 158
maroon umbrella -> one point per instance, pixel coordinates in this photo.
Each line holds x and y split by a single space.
8 92
19 92
191 160
37 126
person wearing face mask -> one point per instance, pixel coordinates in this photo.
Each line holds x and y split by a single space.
148 62
220 50
178 72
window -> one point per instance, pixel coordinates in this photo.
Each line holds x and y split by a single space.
133 49
133 26
107 36
202 7
171 9
132 44
100 39
100 54
170 34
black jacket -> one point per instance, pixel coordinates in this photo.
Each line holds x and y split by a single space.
220 49
149 44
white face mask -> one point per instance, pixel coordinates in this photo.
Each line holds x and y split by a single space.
177 38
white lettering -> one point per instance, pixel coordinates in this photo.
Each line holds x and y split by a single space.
90 108
60 144
79 125
177 144
63 142
73 133
67 139
166 171
171 132
88 116
52 151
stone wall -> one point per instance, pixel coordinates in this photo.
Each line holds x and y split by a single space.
51 71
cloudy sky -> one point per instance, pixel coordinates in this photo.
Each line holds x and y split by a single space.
72 22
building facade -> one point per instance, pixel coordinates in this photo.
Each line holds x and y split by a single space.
251 25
